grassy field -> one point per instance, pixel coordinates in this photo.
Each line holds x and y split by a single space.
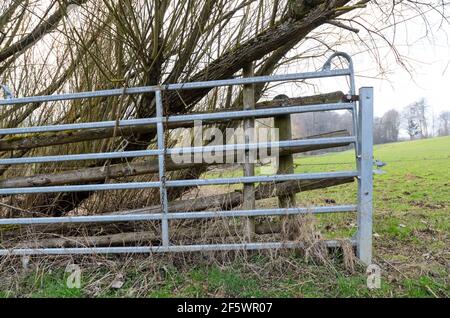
411 245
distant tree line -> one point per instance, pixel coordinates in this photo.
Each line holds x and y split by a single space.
386 128
415 119
444 123
309 124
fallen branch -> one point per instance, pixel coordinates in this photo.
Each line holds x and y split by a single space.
66 137
115 171
226 201
123 239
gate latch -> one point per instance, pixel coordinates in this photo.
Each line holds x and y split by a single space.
379 164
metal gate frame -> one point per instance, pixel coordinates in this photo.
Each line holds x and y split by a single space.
362 113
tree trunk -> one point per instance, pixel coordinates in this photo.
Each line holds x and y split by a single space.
67 137
97 174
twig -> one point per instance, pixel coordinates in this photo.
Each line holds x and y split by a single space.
343 26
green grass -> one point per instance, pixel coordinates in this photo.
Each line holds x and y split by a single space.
411 242
48 285
412 195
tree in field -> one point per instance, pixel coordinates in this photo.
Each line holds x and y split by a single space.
415 117
413 129
58 46
444 123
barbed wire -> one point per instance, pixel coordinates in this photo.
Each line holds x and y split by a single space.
387 162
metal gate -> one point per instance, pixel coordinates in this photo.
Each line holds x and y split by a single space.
361 107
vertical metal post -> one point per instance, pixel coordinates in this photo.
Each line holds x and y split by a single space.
365 181
162 169
249 167
355 131
285 166
354 104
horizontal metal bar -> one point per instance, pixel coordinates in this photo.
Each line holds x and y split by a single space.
78 126
76 96
80 188
179 183
256 179
269 112
182 118
181 86
163 249
263 212
176 215
181 150
266 145
86 156
259 79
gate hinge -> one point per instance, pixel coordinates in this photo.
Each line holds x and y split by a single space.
350 98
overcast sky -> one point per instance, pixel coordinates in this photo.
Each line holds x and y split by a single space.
424 51
427 75
429 78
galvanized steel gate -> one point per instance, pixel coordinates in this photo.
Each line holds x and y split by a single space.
362 112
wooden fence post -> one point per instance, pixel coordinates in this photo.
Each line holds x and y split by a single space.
285 165
249 166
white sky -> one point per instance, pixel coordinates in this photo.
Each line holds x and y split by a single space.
429 77
425 53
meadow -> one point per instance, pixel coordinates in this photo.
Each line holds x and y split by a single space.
411 244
